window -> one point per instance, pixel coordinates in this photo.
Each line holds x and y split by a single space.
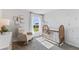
36 24
36 20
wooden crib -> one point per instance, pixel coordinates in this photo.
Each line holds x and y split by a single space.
47 31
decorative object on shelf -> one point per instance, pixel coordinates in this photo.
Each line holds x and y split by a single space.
4 23
3 29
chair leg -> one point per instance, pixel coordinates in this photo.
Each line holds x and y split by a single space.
25 43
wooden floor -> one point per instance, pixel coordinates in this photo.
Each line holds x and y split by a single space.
35 45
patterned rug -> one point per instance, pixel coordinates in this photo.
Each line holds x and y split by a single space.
45 43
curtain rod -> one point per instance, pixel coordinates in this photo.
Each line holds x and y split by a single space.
37 13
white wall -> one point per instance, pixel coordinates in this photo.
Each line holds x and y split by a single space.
0 13
9 13
70 20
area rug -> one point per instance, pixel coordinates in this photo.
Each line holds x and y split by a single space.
45 43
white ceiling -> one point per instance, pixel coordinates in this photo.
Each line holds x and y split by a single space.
40 11
44 11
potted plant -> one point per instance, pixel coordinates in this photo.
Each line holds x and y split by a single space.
3 29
